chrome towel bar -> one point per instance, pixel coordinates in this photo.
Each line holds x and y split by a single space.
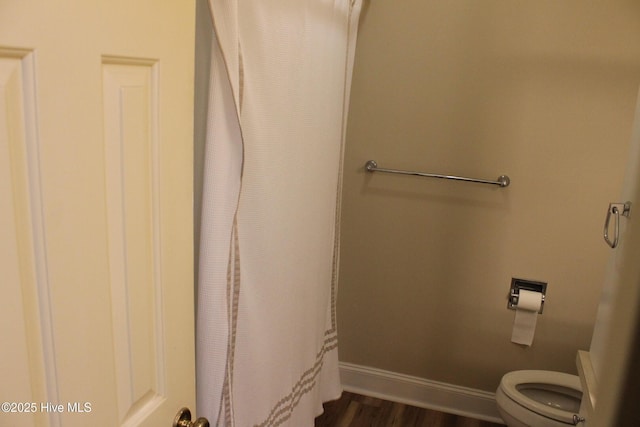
502 181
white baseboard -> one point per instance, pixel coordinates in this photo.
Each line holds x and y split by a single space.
419 392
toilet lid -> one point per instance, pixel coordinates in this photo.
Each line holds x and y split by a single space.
511 380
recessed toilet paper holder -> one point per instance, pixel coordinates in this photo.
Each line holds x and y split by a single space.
529 285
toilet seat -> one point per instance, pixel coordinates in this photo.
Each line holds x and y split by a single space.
512 380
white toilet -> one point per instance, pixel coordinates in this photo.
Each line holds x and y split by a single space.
539 398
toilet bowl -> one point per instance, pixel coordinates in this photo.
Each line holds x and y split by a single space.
539 398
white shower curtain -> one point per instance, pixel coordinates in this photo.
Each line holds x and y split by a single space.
279 94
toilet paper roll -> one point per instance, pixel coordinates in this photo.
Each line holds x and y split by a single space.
524 324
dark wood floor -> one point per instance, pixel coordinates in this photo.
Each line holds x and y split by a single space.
354 410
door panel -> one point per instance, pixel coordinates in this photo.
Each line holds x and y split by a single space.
21 256
96 124
131 162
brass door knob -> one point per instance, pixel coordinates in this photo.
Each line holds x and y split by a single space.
183 419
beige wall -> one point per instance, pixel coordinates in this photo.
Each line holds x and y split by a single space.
541 91
204 34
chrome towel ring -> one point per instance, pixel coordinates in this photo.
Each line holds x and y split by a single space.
616 209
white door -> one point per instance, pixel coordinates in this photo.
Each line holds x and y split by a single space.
96 264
